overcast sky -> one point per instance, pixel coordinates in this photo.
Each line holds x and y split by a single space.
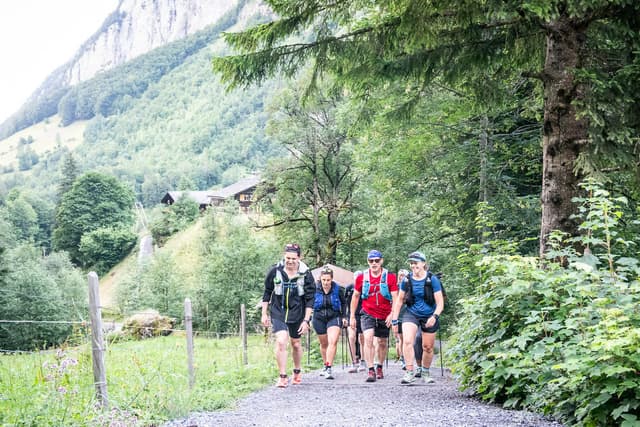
36 37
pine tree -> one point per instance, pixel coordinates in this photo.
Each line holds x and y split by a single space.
583 56
69 173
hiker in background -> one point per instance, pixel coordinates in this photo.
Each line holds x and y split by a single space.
397 332
356 339
378 288
287 303
329 310
421 291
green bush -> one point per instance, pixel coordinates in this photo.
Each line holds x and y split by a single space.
174 218
46 293
103 248
562 337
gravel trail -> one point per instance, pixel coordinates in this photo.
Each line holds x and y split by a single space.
349 401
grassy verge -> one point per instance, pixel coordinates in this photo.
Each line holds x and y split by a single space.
147 381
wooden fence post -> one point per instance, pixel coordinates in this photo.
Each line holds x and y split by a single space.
188 318
97 341
243 332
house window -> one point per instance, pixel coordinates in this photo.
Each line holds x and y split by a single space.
245 197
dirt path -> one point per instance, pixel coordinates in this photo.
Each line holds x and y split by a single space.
350 401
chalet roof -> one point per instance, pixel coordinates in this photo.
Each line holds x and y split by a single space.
341 276
235 188
201 197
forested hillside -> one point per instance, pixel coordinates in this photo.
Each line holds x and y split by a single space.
158 122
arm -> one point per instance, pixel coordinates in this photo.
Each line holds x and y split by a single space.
395 298
439 309
266 297
309 296
354 306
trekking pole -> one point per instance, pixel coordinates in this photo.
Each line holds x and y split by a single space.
308 347
351 352
342 334
386 362
441 363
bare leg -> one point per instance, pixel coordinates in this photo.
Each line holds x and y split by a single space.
409 335
382 350
367 349
281 351
352 344
296 352
428 340
333 333
323 347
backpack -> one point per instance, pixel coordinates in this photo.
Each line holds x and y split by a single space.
429 298
279 284
335 297
384 287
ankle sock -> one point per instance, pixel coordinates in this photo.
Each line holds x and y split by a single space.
296 371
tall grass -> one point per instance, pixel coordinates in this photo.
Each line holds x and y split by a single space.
147 381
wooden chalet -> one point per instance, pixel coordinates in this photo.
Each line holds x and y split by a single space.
242 191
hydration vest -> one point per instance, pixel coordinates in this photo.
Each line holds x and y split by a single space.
335 297
384 287
279 284
429 298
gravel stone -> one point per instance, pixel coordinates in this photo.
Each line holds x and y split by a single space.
349 401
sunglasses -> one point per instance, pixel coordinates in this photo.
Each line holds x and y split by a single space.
374 261
326 271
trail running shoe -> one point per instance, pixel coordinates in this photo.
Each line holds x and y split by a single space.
282 382
418 373
329 374
379 373
426 377
297 378
404 365
323 373
354 368
371 377
408 378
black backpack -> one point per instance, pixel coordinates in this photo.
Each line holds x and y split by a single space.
428 290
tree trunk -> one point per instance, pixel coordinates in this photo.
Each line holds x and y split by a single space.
565 135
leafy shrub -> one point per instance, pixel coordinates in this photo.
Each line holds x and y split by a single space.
562 337
174 218
103 248
157 284
48 290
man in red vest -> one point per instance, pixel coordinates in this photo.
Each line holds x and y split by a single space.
377 287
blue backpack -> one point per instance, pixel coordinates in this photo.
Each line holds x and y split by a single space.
335 297
384 287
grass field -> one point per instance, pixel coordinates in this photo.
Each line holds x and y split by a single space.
147 381
47 136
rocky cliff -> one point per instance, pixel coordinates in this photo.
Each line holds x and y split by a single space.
138 26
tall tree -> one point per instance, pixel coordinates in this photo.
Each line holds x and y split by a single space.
69 173
314 184
573 48
95 201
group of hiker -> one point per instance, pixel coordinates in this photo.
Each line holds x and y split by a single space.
377 303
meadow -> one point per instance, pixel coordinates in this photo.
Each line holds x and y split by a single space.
147 381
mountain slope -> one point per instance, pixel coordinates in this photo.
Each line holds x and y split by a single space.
134 29
163 121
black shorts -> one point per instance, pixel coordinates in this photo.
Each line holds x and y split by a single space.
321 324
409 317
380 328
278 325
